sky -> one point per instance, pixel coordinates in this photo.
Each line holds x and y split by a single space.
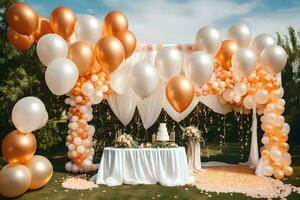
177 21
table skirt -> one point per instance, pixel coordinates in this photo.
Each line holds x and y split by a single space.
166 166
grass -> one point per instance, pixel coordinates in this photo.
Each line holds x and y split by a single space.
53 189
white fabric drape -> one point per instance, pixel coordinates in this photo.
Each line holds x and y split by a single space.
176 115
254 156
213 103
120 77
123 105
193 156
166 166
150 107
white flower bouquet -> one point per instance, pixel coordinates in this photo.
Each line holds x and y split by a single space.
125 141
191 133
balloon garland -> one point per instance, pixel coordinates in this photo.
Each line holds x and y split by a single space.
79 60
80 57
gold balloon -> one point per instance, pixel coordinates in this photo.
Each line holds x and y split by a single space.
62 20
43 29
14 180
128 40
278 174
109 53
41 171
82 54
22 42
180 93
115 22
225 53
18 147
288 171
22 18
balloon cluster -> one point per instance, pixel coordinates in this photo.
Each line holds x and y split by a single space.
88 90
242 74
24 169
80 53
245 76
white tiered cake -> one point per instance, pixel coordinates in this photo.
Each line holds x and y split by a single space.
162 134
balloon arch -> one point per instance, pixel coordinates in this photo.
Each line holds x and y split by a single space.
90 62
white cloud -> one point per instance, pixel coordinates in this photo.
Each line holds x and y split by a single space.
273 22
173 21
168 21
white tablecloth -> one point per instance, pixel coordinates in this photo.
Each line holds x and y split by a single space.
166 166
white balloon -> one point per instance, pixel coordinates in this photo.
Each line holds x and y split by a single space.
45 119
75 169
28 114
208 39
286 159
243 62
68 166
199 68
265 140
87 88
273 59
96 97
261 96
77 141
276 154
88 28
61 76
51 47
285 128
267 170
240 88
271 118
260 42
169 62
249 102
228 94
144 78
86 165
240 33
80 149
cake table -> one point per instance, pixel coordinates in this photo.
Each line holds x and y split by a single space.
166 166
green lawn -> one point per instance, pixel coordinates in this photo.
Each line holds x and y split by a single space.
53 190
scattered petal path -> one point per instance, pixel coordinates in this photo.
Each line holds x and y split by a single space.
78 183
241 179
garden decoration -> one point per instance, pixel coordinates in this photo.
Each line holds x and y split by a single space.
89 61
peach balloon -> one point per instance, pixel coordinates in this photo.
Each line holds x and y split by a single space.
41 171
278 174
14 180
18 147
22 18
109 53
225 53
43 28
82 54
288 171
22 42
128 40
62 20
115 22
180 93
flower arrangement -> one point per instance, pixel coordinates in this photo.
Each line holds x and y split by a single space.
125 141
191 133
